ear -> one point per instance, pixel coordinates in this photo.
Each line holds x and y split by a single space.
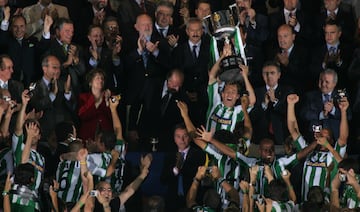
351 171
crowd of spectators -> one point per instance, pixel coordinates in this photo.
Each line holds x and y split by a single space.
85 82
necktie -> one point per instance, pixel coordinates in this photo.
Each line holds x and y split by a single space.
161 32
180 179
194 52
65 48
145 57
332 50
165 102
326 98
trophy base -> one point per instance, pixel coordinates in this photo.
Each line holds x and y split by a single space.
230 70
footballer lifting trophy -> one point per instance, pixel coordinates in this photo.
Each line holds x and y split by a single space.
224 30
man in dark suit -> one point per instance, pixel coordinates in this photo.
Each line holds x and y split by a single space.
256 24
292 58
22 50
128 11
162 27
180 168
93 13
6 69
320 107
149 63
69 54
193 56
104 53
269 115
53 96
335 54
291 15
340 12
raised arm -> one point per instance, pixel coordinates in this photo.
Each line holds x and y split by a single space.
247 121
21 115
286 178
207 136
32 132
344 126
292 124
134 185
115 117
245 74
216 67
192 193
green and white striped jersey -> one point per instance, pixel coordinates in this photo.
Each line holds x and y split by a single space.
98 163
23 199
68 174
36 159
315 169
277 166
116 180
218 116
6 164
349 197
283 206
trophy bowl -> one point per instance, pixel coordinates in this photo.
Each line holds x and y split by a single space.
229 69
222 24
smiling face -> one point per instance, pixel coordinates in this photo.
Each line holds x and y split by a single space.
6 69
18 27
144 25
267 151
66 32
327 83
52 69
163 16
96 34
97 81
230 95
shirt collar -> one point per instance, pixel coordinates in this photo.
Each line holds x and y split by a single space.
268 87
158 27
193 44
2 83
287 12
335 11
47 82
185 151
336 45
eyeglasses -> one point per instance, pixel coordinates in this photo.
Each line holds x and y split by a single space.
105 189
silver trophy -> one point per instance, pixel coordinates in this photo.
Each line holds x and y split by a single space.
224 30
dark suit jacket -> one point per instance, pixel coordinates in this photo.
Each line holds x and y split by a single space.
296 73
345 17
277 19
194 159
77 72
114 79
318 65
260 34
25 57
54 112
311 108
86 19
127 12
195 75
276 115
